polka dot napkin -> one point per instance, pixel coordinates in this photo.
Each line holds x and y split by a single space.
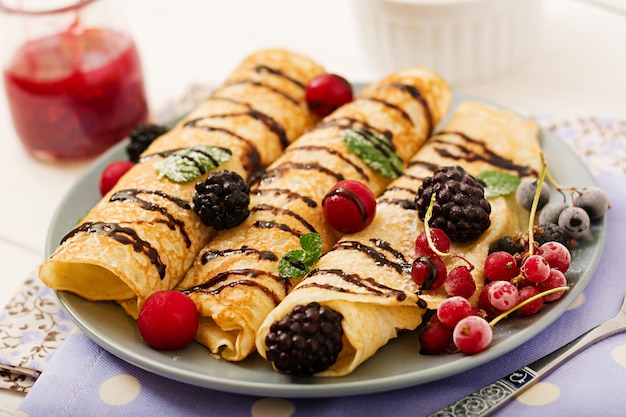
83 379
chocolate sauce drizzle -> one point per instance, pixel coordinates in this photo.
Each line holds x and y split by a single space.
220 282
332 152
265 86
284 212
280 73
275 225
351 123
285 167
244 250
291 196
402 267
171 222
124 235
267 120
370 285
487 154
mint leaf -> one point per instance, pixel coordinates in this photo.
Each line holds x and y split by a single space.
373 149
498 183
312 245
293 264
296 263
191 163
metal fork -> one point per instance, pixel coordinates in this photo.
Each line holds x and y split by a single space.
494 396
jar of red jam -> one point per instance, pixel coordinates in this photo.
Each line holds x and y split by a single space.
72 76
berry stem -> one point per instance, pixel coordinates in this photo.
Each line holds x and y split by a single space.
533 210
427 216
493 322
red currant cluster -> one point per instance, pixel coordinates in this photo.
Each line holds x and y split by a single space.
512 279
514 282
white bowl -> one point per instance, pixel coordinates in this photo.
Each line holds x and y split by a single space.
463 40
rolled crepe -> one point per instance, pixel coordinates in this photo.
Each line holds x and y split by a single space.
143 235
367 275
235 281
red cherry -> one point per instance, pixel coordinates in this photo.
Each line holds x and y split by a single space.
168 320
349 206
112 173
327 92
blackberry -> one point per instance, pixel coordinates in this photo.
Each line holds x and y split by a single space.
141 138
460 208
221 201
306 341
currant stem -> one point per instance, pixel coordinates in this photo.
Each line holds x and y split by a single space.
493 322
429 238
533 210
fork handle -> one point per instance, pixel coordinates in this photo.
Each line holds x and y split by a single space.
494 396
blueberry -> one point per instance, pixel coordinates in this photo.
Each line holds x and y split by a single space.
551 211
593 200
575 221
525 194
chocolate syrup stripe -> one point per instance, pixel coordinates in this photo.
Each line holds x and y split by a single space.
221 281
332 152
244 250
370 285
125 236
277 211
291 196
486 154
415 94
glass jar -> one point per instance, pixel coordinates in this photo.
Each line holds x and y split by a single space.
72 76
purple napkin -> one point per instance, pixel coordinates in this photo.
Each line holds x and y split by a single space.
83 379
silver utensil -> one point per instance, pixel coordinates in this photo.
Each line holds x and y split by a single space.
494 396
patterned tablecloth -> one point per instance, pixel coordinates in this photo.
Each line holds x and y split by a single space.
82 379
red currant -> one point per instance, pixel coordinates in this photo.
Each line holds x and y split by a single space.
460 282
429 272
536 268
349 206
327 92
168 320
435 338
472 335
555 279
440 240
532 307
500 266
557 255
502 295
484 303
452 310
112 173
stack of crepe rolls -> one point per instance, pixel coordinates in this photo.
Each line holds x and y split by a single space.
367 275
143 235
235 281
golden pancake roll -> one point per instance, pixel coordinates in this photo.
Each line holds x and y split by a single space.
235 281
144 234
366 277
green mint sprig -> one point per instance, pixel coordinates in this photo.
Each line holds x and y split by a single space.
296 263
498 183
373 149
191 163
